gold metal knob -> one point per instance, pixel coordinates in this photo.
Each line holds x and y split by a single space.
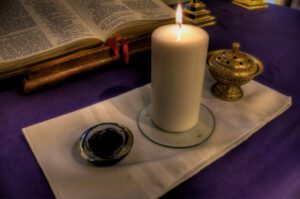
235 47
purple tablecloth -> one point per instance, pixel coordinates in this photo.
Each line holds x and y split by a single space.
265 166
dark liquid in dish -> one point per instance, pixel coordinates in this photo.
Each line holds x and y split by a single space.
106 143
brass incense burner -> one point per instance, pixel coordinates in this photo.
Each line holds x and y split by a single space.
232 68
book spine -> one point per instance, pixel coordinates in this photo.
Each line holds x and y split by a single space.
47 79
60 69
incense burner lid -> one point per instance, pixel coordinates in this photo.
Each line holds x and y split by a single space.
234 63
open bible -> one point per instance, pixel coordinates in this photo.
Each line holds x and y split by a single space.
50 40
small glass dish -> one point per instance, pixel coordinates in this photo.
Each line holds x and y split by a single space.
105 144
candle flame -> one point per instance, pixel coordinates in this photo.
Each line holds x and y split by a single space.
179 15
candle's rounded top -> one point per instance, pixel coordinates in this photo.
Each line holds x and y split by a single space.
234 62
173 33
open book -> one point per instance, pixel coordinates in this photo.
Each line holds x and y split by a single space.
32 31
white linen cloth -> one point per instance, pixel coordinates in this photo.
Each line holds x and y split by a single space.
150 170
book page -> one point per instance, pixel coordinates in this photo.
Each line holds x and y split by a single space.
104 16
29 27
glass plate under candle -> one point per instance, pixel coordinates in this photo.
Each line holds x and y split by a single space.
189 138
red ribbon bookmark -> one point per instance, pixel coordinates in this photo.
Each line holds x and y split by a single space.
114 45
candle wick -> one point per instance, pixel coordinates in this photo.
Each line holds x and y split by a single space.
180 25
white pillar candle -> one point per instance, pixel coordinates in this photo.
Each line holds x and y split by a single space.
178 66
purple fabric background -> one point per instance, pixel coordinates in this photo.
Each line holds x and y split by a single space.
265 166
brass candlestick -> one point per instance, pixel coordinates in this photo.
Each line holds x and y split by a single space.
231 69
197 14
251 4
